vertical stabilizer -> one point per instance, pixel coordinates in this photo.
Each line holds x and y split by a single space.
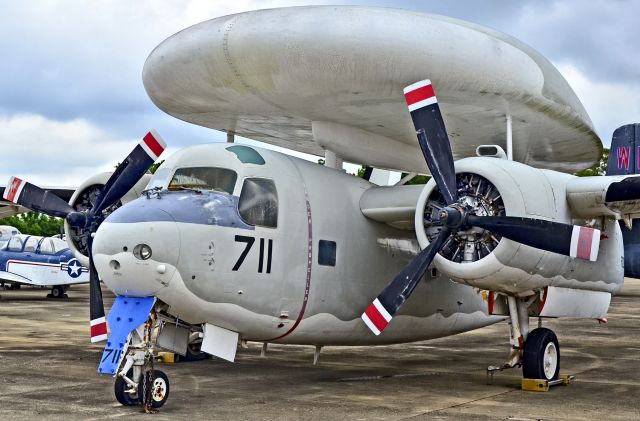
624 157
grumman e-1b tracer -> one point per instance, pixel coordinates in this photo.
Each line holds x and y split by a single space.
230 242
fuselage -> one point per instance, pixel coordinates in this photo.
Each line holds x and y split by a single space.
281 252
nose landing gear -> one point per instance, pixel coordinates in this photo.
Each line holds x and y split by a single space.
137 383
129 356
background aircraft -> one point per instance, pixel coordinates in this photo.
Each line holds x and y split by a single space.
41 261
232 243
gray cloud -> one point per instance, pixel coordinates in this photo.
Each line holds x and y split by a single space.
69 60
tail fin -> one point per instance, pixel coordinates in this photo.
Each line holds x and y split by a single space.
624 157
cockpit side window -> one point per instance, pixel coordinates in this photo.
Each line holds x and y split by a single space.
58 245
258 204
204 178
46 246
15 244
32 244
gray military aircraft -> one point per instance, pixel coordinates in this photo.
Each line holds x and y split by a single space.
232 243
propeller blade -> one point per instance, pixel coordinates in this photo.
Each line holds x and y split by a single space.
97 321
379 313
130 170
33 197
432 136
569 240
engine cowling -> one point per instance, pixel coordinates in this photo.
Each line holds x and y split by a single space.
84 197
490 186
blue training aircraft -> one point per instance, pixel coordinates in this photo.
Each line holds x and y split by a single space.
42 261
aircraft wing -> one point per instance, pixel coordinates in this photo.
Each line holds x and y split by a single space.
314 78
10 209
12 277
614 196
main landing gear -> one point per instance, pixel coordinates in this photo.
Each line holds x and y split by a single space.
137 382
536 351
58 291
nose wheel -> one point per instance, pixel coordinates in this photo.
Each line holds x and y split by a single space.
137 382
154 388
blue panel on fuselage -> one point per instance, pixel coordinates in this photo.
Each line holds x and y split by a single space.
126 314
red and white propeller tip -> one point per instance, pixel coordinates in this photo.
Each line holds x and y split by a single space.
153 144
419 95
376 317
98 329
14 189
585 243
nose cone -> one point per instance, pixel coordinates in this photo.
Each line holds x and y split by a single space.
122 244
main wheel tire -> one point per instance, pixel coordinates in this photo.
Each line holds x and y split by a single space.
194 353
159 388
541 357
57 291
122 396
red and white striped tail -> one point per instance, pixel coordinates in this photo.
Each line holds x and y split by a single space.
14 189
153 144
376 317
585 243
98 330
419 95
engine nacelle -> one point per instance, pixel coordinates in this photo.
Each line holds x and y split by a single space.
476 257
84 197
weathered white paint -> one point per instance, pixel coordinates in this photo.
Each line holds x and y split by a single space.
269 74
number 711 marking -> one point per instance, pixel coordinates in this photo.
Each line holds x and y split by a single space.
249 241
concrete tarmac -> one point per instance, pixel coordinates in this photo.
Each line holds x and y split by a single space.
48 371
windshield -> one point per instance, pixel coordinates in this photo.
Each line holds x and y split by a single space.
159 179
204 178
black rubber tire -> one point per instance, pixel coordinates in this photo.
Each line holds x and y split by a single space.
123 397
194 353
534 354
157 400
57 291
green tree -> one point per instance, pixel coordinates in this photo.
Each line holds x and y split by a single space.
154 166
600 168
34 223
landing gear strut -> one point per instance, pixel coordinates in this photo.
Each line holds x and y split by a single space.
137 383
536 351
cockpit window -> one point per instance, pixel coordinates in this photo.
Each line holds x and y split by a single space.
246 155
32 243
15 244
204 178
159 179
258 204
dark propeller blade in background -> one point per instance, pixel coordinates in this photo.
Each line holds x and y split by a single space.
33 197
432 136
121 181
130 170
569 240
97 321
387 304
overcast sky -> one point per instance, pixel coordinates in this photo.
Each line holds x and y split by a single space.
72 100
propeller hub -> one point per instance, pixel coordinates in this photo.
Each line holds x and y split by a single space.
77 219
452 216
475 196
